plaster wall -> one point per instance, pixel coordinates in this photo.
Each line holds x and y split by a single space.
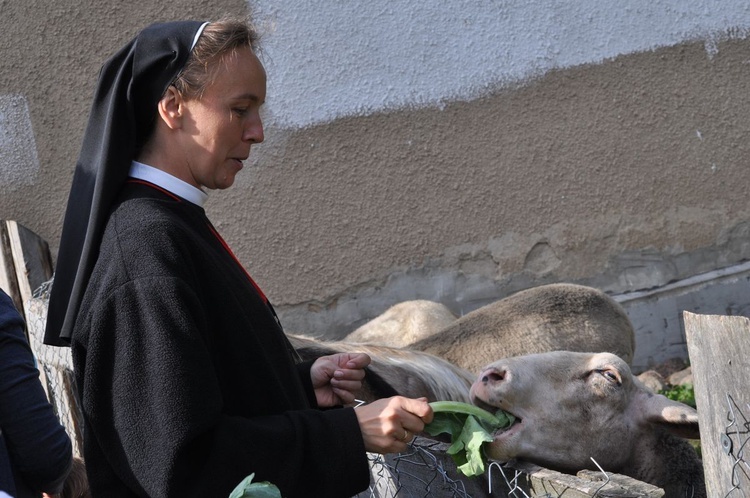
455 151
459 152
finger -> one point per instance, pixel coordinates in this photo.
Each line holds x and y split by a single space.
358 360
405 436
413 425
338 380
393 445
326 365
346 385
418 407
409 437
344 395
346 375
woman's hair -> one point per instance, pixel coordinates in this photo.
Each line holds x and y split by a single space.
220 39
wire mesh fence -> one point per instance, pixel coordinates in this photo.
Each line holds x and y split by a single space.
55 368
734 443
426 470
418 472
423 472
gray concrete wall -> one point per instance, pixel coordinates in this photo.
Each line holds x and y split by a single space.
454 151
657 313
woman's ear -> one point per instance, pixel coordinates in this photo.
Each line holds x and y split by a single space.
171 108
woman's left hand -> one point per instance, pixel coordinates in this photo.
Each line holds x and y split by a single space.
338 377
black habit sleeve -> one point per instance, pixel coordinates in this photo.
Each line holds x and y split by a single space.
186 380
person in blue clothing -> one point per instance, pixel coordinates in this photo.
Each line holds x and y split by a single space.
36 454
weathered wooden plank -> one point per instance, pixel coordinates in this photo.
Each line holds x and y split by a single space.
8 279
31 256
25 262
539 481
719 350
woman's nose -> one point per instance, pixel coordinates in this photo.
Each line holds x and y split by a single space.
254 131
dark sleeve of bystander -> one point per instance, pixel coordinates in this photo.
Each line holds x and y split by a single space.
35 451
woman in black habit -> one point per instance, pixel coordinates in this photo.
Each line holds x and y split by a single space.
186 379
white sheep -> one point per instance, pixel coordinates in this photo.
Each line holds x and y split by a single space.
572 407
404 323
396 370
554 317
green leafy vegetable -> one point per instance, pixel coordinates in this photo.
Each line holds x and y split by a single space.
682 393
469 427
249 489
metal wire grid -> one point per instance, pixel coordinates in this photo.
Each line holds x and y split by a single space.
734 442
418 472
55 369
427 471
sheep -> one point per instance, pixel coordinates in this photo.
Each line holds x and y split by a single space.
395 371
571 407
545 318
403 324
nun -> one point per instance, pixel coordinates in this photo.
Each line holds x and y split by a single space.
186 380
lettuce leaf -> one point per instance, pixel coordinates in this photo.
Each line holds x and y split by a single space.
469 427
249 489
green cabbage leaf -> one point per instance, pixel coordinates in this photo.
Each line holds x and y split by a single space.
249 489
469 428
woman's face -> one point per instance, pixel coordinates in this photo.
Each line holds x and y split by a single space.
220 126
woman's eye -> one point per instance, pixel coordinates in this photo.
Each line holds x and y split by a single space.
240 111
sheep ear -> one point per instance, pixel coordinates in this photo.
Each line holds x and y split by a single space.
678 418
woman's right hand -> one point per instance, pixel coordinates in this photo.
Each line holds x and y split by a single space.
389 424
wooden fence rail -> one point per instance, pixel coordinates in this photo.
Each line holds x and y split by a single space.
719 349
25 262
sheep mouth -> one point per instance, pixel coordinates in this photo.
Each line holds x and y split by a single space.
507 432
516 420
485 405
515 424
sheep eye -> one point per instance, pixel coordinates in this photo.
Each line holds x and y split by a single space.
610 376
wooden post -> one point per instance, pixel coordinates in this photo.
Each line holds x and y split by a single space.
8 279
719 349
25 262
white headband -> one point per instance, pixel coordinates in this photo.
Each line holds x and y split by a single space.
198 35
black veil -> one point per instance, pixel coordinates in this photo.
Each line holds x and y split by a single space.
130 85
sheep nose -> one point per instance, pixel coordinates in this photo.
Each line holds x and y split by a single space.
494 376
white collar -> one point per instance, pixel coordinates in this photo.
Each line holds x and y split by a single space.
168 182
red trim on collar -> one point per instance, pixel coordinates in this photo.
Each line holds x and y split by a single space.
154 186
227 248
